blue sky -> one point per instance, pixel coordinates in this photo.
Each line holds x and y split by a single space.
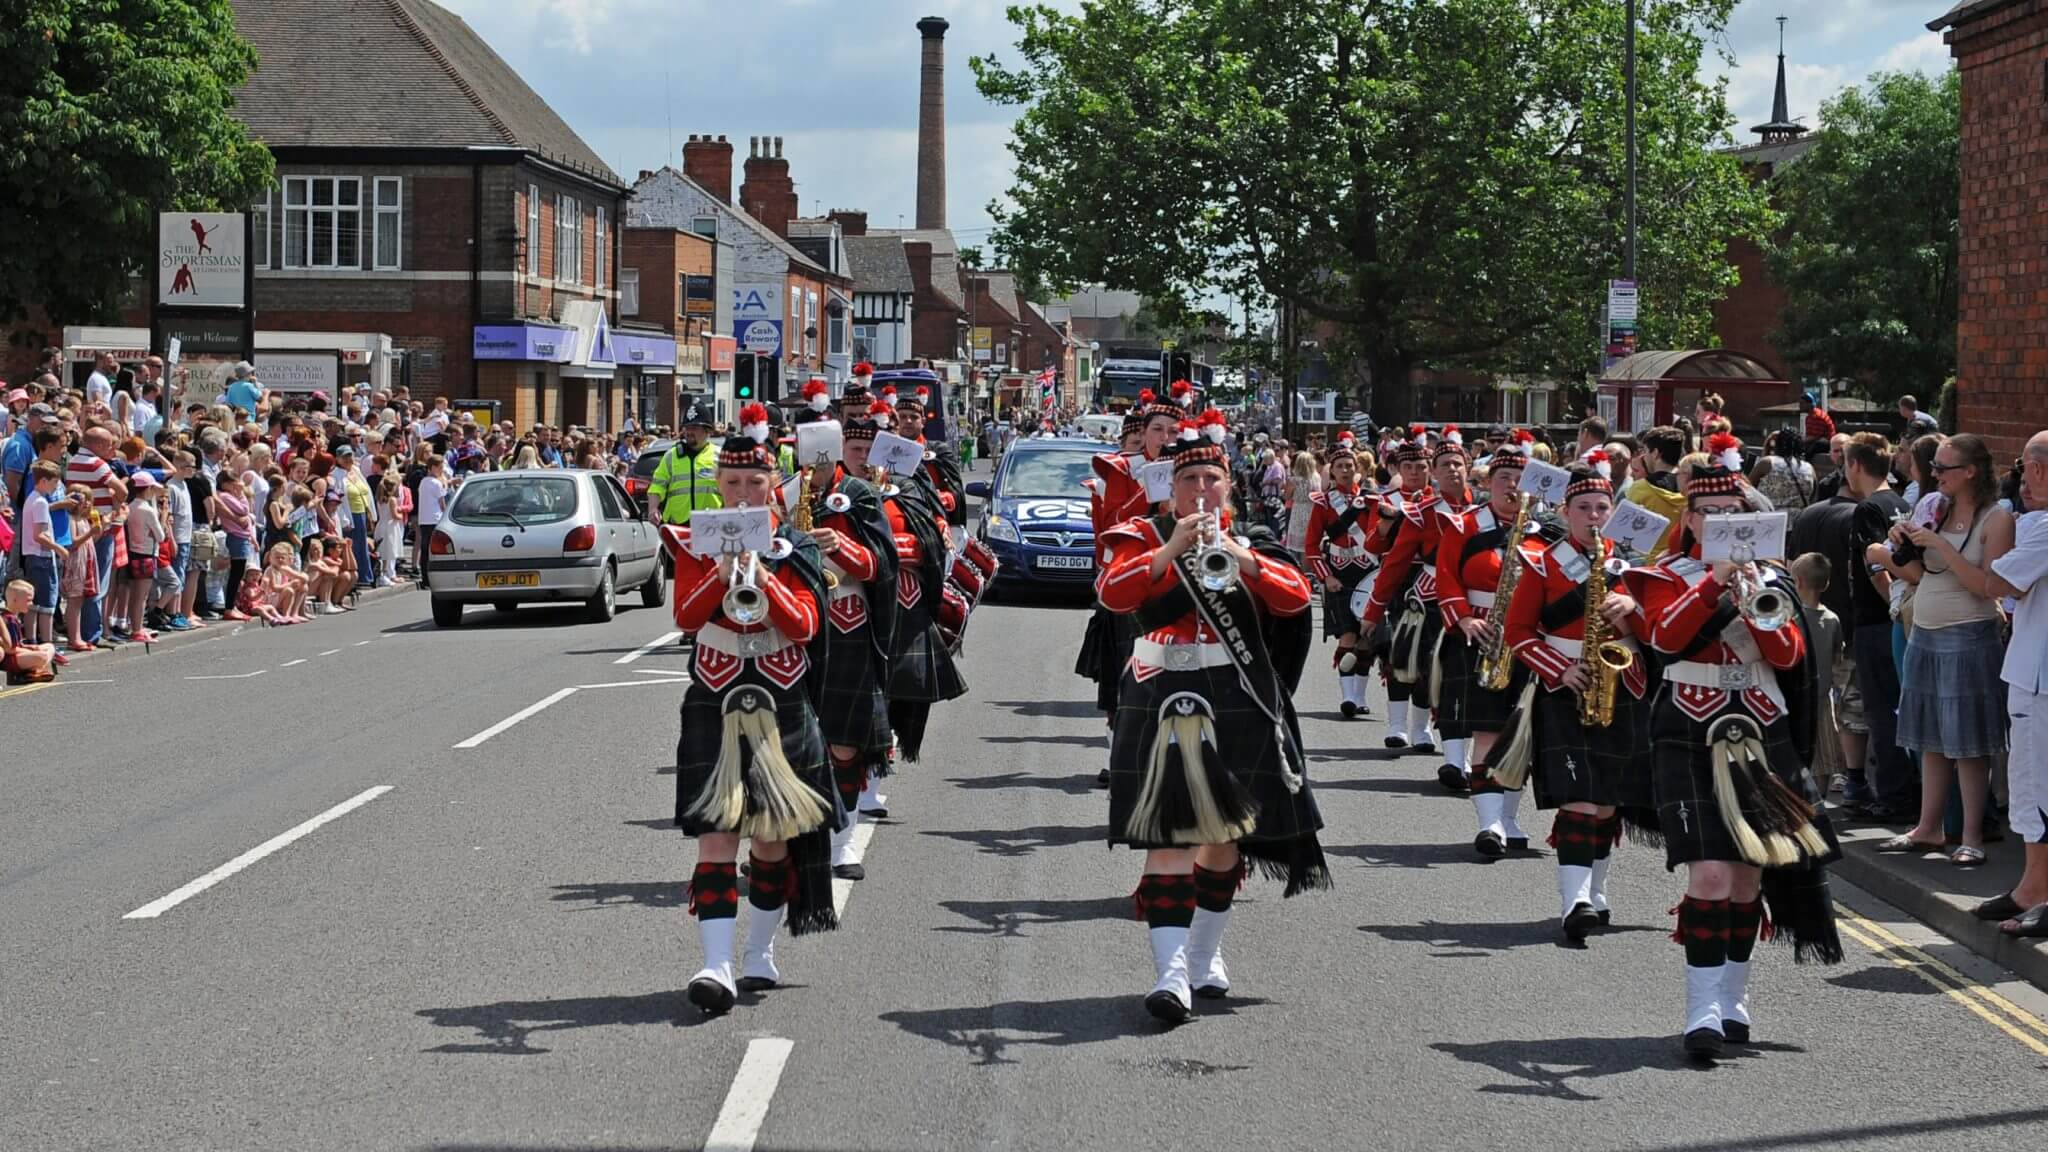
837 79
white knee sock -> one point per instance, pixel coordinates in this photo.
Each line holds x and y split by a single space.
1454 753
1487 806
1574 887
1397 718
1511 803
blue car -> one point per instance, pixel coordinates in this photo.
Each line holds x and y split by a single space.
1035 514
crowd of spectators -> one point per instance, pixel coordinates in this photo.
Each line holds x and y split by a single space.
124 515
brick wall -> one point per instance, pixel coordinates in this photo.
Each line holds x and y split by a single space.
2002 337
934 322
1746 317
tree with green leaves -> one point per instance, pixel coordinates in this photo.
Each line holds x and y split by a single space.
1868 254
111 111
1441 182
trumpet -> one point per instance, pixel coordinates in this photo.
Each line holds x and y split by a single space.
1215 564
745 604
1761 605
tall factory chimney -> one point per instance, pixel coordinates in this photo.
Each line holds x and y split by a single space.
931 125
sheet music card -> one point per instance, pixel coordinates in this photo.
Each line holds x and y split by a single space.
1546 482
1759 535
902 457
1637 527
1157 477
731 531
820 440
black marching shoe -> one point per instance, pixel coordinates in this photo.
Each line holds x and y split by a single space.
1102 778
1521 844
711 997
1452 778
1703 1044
1168 1008
1580 921
753 984
1426 747
1349 710
1490 844
843 872
1606 917
1735 1031
1395 741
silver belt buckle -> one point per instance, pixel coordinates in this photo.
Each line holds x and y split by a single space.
1182 657
1733 677
753 644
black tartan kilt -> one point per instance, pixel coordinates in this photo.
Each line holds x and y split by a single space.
1338 618
1104 652
924 671
1573 764
1683 777
1463 706
1250 749
703 727
852 711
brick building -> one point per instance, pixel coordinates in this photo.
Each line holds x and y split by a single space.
938 303
676 283
425 191
778 295
2002 333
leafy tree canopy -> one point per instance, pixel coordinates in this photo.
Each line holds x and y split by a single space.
1441 181
111 111
1868 254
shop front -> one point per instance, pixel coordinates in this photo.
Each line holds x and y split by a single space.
646 360
520 366
289 362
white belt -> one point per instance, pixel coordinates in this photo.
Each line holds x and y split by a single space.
1479 599
848 589
1179 657
1566 646
1727 677
745 645
1344 552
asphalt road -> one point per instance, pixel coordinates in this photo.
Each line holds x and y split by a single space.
489 953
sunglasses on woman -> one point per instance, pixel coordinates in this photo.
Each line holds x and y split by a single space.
1941 469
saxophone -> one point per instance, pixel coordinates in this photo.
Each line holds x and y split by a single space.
1496 663
1603 657
802 516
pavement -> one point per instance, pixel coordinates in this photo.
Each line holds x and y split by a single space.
373 885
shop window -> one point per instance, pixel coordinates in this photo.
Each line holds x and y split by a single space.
629 291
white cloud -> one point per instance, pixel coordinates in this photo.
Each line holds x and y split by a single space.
1923 53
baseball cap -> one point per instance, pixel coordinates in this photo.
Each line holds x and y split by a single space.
42 411
143 480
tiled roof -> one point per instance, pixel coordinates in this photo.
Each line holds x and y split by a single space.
391 74
945 260
1002 288
637 218
1966 11
879 265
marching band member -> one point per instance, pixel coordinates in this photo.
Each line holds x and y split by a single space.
1340 526
1471 715
1207 769
1735 802
751 760
1116 495
942 469
853 536
924 672
1583 770
1409 574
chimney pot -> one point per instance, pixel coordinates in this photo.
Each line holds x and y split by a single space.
778 147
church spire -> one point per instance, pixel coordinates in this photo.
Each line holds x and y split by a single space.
1781 127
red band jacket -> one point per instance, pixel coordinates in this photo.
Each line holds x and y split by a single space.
1342 554
1415 546
1546 621
698 605
1678 597
1467 569
1126 585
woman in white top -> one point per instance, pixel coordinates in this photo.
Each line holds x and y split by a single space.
433 498
1950 708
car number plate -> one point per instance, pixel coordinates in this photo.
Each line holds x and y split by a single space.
1080 562
508 580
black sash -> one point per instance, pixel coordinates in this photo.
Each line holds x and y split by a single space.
1487 541
1234 617
1560 612
1345 522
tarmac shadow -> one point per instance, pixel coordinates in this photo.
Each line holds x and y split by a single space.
1399 786
1073 784
1467 941
1887 978
1414 855
989 1033
1008 918
626 893
1099 741
506 1028
1024 841
1547 1068
1065 709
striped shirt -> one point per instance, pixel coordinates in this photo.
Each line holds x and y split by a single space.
91 471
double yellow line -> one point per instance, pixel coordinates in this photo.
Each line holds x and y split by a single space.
25 689
1996 1010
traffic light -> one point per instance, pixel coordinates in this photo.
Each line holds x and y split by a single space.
743 378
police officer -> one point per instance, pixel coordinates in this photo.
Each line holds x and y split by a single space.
687 477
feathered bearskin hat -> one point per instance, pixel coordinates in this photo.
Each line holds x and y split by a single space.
749 448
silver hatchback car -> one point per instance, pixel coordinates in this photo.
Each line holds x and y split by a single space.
542 536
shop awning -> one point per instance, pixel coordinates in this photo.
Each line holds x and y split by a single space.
594 355
644 352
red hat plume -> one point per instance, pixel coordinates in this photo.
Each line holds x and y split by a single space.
754 422
1726 451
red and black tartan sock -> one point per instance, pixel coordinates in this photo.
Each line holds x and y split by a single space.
1215 890
1576 836
769 882
1610 834
715 891
1165 901
1744 919
1703 929
849 776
